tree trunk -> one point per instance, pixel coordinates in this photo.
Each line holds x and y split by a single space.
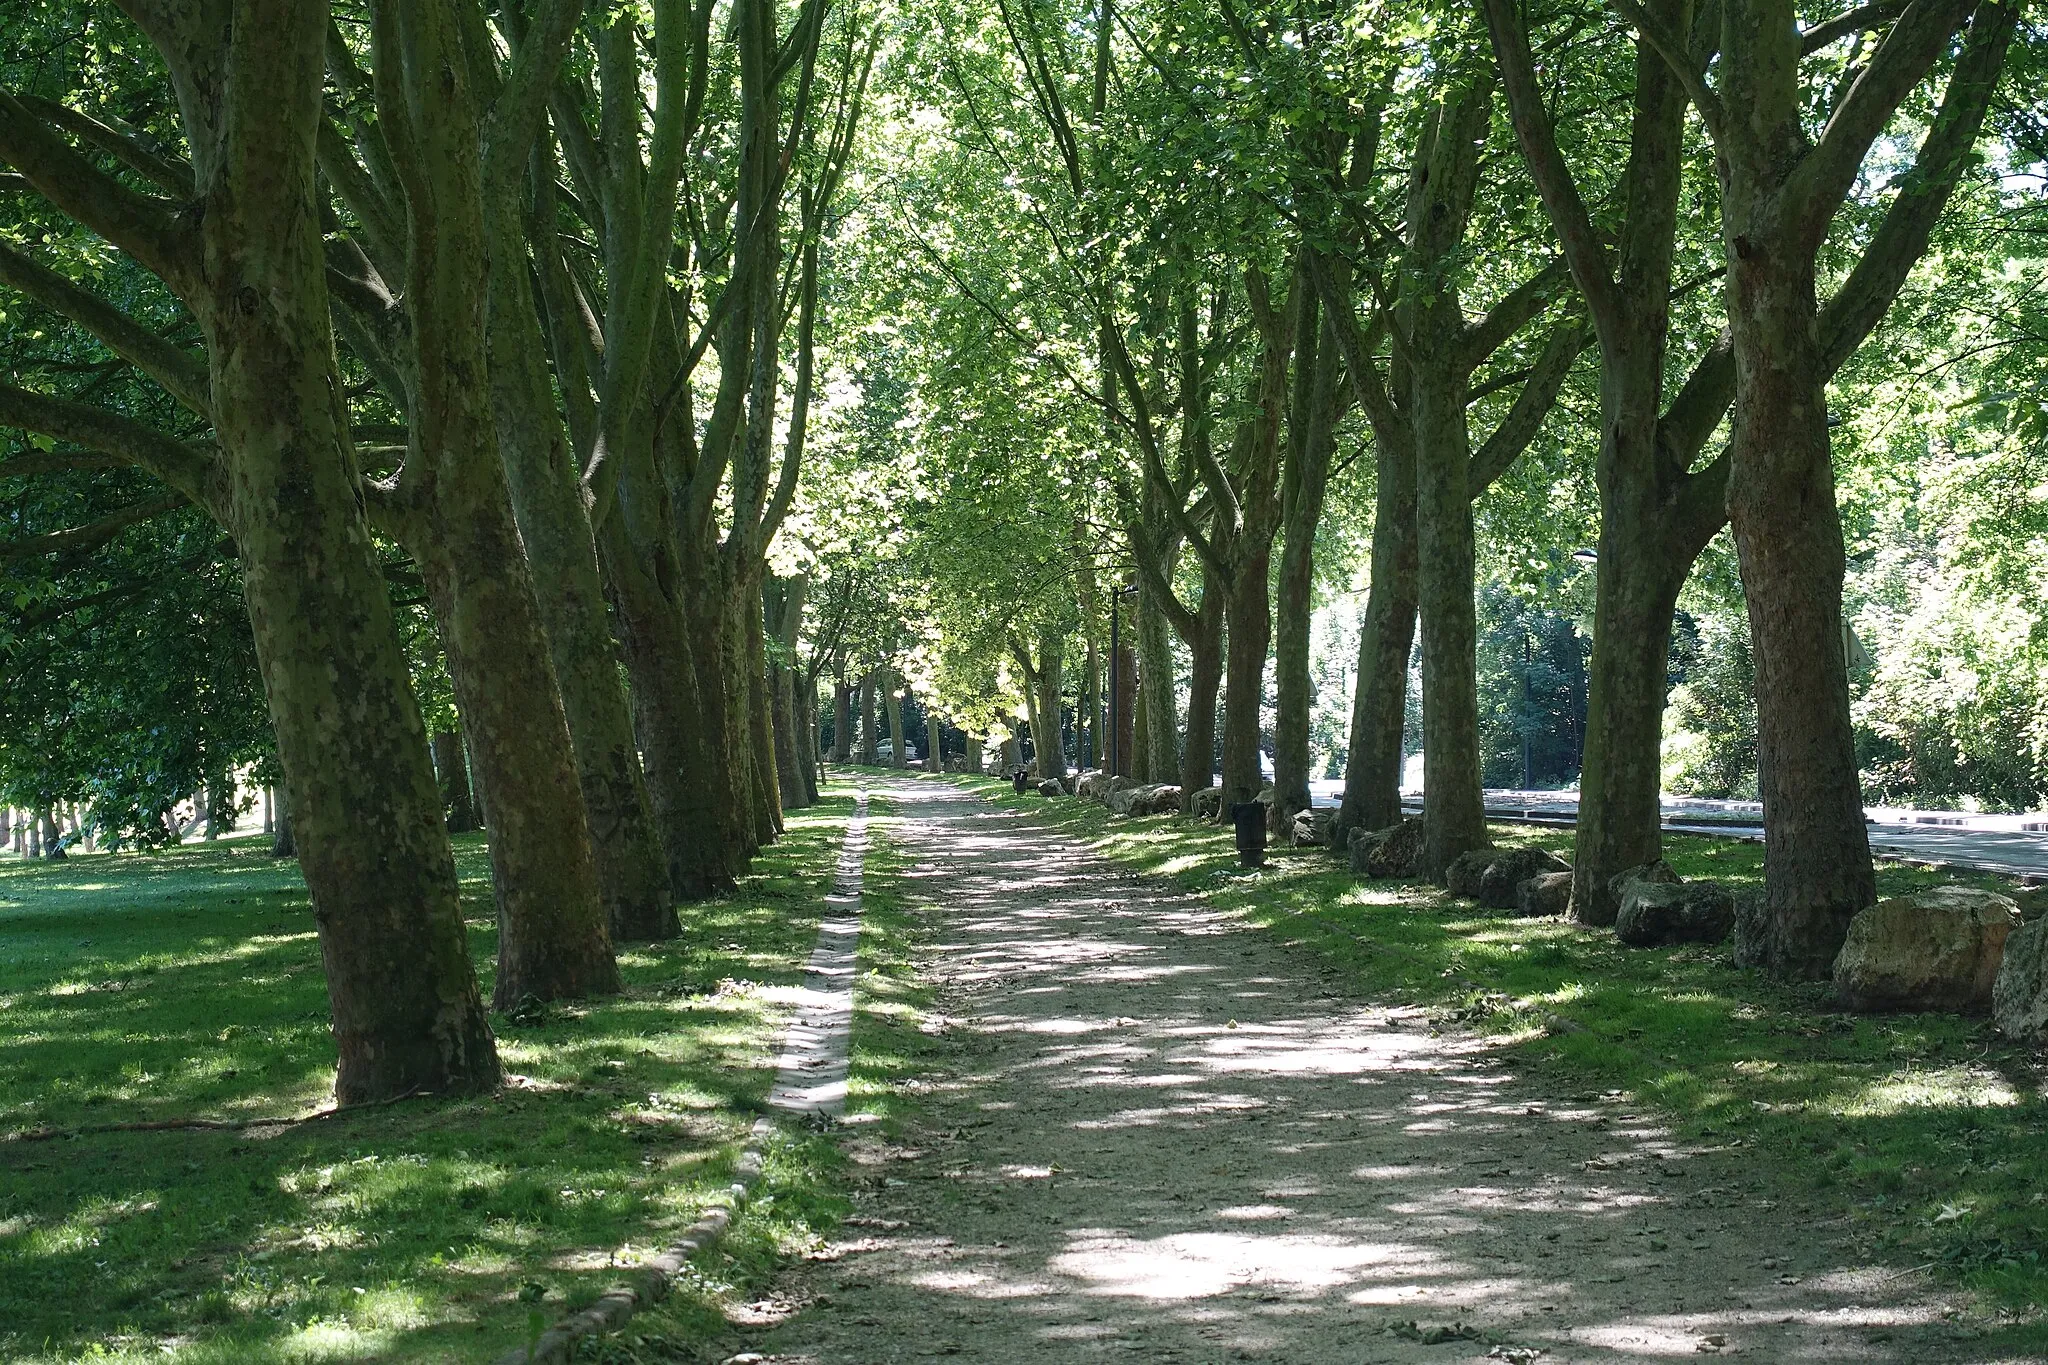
869 749
674 725
1205 676
762 775
1788 536
842 720
406 1014
554 939
786 597
1311 444
1249 626
1052 756
452 766
892 718
1124 723
1621 775
804 707
282 845
1157 748
1090 744
1453 800
554 529
53 839
1379 707
973 757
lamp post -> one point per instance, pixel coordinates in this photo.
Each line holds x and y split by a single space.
1116 597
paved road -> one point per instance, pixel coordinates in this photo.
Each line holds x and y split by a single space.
1146 1132
2014 845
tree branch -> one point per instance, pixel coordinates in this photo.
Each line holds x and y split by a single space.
83 540
147 229
190 471
182 374
1581 244
1824 177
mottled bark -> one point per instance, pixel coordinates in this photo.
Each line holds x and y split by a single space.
1124 720
451 765
1386 642
1157 749
52 837
869 751
359 787
549 503
842 721
554 939
1312 439
1205 677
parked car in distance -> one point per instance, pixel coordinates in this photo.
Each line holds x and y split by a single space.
885 753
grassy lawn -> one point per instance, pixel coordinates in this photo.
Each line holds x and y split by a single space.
1930 1126
186 984
791 1207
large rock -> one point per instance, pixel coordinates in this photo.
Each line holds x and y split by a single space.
1492 876
1655 913
1092 785
1051 787
1206 803
1311 828
1933 950
1391 852
2019 1000
1070 783
2033 903
1546 893
1659 871
1149 798
1161 799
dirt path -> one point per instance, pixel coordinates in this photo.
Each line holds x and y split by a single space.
1159 1136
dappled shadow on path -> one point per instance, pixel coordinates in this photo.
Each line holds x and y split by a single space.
1162 1137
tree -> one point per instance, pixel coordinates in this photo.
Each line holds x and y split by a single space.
247 262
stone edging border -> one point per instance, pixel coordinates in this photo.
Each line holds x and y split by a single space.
652 1280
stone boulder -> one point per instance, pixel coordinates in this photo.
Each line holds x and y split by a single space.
1546 893
2019 1000
2033 903
1092 785
1143 798
1656 913
1206 803
1933 950
1051 787
1161 799
1070 783
1492 876
1659 872
1311 828
1391 852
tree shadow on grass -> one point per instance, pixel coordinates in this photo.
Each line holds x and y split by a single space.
426 1230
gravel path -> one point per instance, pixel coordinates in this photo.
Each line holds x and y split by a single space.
1156 1135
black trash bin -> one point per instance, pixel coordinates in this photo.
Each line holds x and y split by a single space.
1250 820
1018 780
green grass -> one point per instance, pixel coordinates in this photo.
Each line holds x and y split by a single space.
889 1049
1929 1126
186 984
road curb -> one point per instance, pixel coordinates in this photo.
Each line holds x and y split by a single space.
809 1043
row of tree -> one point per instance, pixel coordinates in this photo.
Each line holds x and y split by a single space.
499 316
1180 267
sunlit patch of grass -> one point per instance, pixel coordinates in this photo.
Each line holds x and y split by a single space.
1915 1118
186 984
